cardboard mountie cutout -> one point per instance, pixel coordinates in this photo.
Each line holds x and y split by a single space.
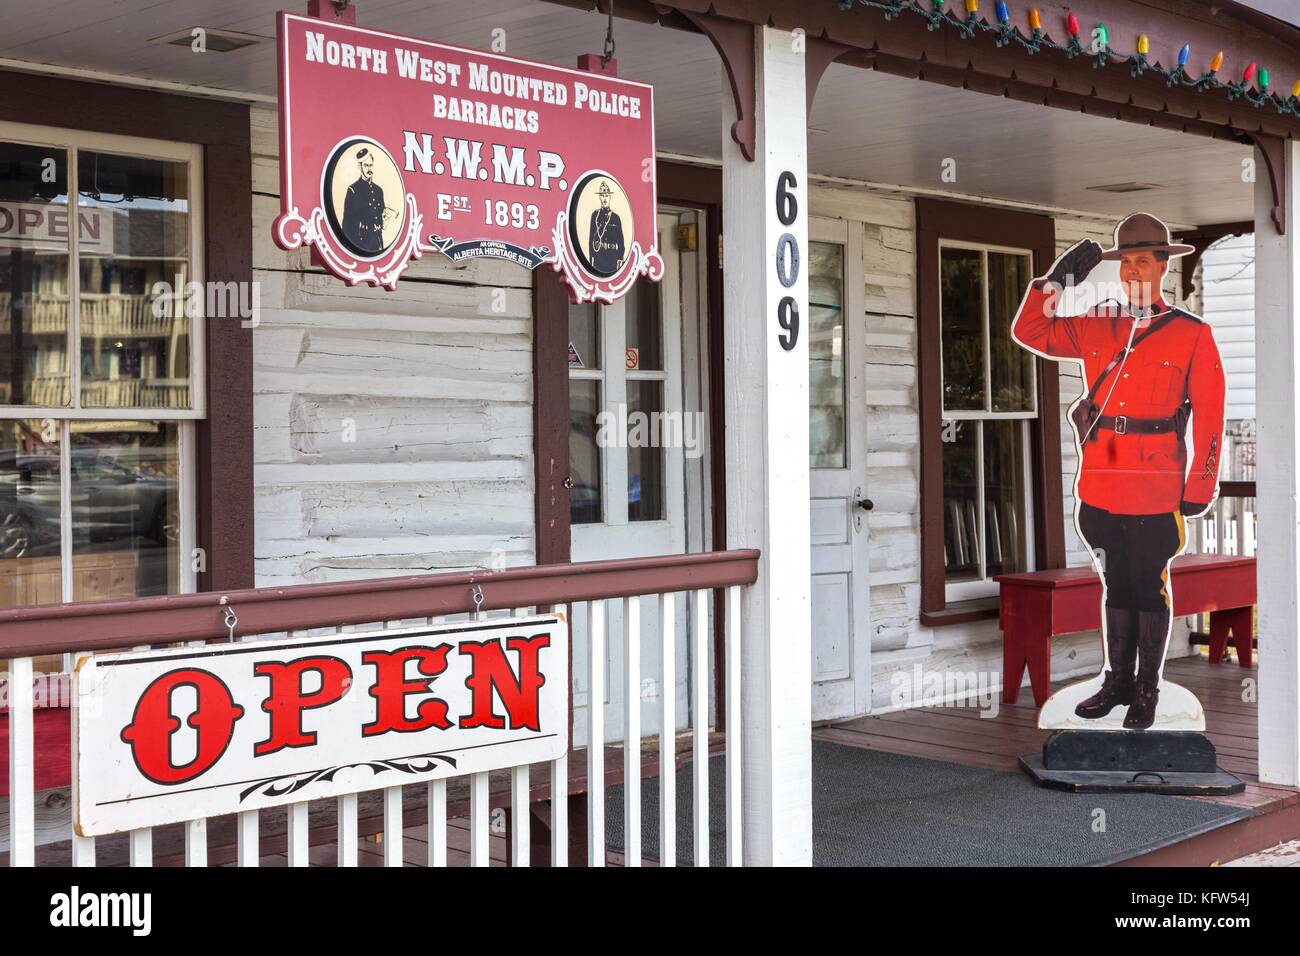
1149 430
392 147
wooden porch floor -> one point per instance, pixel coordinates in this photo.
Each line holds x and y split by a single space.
961 735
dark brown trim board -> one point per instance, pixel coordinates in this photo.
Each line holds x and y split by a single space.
966 222
551 416
225 438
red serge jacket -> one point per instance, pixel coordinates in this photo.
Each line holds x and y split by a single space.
1138 473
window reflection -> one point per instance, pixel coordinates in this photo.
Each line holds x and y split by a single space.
134 344
34 292
125 509
584 453
827 437
30 567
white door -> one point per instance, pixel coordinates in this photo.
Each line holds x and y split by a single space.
631 435
841 627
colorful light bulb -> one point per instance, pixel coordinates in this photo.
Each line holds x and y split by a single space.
1295 89
1000 9
1144 45
972 7
1248 73
1263 78
1184 53
1216 62
1072 25
1035 19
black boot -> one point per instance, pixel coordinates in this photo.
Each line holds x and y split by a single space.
1153 633
1121 652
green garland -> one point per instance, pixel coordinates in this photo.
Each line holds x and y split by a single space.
936 16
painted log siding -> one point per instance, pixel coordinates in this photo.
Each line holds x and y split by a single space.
435 378
394 430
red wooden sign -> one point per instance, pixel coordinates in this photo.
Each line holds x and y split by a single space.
391 147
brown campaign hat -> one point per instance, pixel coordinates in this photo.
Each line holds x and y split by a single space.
1142 232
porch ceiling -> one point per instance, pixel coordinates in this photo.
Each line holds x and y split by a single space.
867 125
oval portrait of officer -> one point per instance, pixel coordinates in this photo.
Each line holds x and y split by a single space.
1149 428
600 224
364 199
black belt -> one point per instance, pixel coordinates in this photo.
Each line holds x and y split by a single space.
1123 425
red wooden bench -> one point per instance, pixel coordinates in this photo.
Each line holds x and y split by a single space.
1038 605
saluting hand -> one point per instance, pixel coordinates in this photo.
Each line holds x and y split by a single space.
1073 267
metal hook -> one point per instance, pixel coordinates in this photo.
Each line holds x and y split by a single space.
609 38
476 594
231 620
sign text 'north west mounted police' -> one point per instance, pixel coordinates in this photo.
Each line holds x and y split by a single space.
173 735
391 147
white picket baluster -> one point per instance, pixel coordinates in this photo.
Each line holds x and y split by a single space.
732 649
667 732
519 816
249 853
700 726
596 733
478 820
22 770
437 822
393 826
632 731
196 842
83 848
347 830
560 811
141 847
297 837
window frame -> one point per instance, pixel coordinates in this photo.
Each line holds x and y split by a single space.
186 419
191 153
945 223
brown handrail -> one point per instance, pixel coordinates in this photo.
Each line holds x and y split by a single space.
98 625
1236 489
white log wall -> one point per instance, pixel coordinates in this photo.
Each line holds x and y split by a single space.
394 430
436 379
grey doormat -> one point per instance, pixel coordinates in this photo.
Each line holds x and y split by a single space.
882 809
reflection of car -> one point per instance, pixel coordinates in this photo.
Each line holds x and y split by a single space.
112 505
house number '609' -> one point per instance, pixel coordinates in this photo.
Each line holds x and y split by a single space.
787 261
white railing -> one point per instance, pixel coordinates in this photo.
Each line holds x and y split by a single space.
37 828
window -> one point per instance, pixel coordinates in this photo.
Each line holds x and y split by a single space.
827 398
991 484
617 378
989 399
99 371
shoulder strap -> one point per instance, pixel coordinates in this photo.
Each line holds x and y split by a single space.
1123 353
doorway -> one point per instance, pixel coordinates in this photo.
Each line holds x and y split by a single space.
638 453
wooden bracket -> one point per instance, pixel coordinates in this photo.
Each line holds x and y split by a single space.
819 55
1272 148
1201 239
329 10
734 42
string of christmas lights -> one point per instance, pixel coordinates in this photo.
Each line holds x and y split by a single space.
937 15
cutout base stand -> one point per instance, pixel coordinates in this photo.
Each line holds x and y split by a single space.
1127 761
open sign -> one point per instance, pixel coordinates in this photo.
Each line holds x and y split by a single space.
174 735
45 225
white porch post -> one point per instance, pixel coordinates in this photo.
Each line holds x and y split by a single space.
765 284
1277 359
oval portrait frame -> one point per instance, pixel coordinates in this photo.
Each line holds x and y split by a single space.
340 151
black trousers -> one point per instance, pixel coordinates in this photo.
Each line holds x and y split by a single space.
1135 550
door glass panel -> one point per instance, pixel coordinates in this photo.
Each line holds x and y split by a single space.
645 451
1005 496
136 229
584 336
961 499
961 314
644 327
827 435
125 507
1011 367
584 452
34 274
30 569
